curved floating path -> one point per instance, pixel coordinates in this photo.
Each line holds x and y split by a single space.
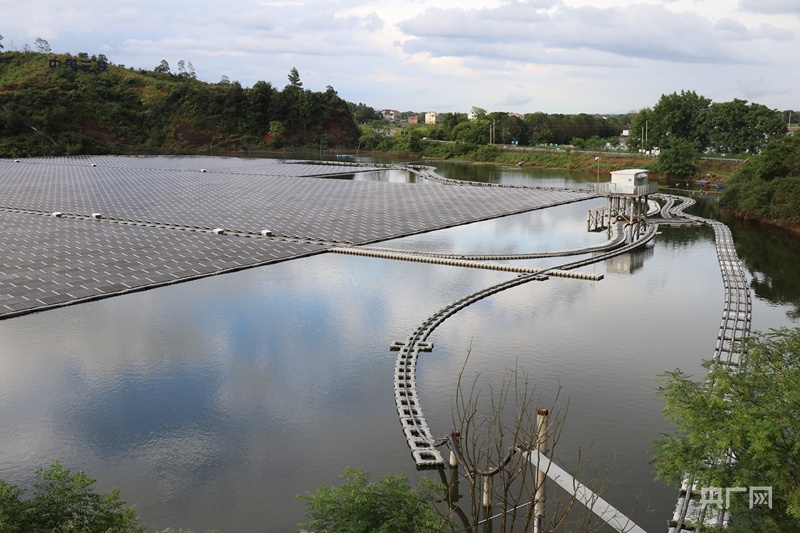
689 514
418 434
416 430
383 254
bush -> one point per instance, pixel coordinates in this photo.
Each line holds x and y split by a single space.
64 502
358 506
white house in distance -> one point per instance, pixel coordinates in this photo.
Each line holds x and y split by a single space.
392 115
431 117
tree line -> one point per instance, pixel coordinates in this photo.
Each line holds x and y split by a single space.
680 127
101 107
65 105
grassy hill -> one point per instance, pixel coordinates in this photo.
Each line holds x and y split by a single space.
58 104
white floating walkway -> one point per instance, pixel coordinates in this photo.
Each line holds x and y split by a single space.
690 516
407 256
415 428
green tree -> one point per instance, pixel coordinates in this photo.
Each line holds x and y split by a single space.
768 184
64 501
678 158
259 112
779 159
294 79
363 113
478 113
358 506
162 67
739 428
679 116
472 132
737 128
639 133
538 126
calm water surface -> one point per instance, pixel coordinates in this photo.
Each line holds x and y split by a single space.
211 404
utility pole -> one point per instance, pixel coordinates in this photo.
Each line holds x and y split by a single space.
598 172
541 473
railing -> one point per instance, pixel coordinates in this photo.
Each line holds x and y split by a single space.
620 188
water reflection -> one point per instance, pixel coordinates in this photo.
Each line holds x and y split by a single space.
771 257
212 403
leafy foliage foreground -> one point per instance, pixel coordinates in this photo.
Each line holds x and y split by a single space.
65 502
739 428
359 506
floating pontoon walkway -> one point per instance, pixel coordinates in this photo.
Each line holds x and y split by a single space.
416 430
690 515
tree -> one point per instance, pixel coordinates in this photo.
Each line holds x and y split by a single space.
680 116
277 128
768 185
477 113
739 428
162 67
497 438
472 132
496 423
294 79
737 128
1 42
678 158
259 99
363 113
42 45
779 159
358 506
64 501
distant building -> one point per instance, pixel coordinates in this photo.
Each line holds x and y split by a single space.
413 119
431 117
622 142
392 115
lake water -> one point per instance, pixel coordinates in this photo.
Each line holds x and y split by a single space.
212 403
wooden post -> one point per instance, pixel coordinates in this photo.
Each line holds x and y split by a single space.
541 445
456 442
487 491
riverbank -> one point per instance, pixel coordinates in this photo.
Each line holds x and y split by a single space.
712 170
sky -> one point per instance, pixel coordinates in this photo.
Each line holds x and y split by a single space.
553 56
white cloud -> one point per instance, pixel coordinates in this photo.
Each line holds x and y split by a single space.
771 7
573 55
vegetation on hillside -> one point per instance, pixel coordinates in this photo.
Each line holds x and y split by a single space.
768 185
62 105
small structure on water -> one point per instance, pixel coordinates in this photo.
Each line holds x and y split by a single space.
628 181
627 194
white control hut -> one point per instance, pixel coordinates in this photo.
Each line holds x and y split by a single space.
629 181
